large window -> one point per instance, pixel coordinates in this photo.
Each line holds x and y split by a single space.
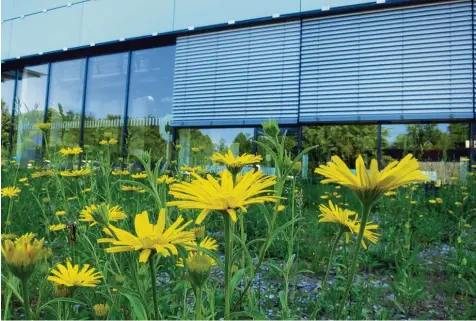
8 88
30 112
346 141
440 148
150 102
197 145
65 102
105 101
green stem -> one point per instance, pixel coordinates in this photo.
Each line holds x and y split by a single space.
198 304
326 277
153 277
26 298
355 257
228 253
10 205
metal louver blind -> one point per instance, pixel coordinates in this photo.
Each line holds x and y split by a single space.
238 77
410 63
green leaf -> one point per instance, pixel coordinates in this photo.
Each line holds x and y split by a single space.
136 303
253 314
238 276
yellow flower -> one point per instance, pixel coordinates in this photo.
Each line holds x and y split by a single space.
199 231
186 168
23 180
86 190
207 243
195 149
369 186
166 179
23 253
137 189
349 221
139 175
413 202
60 291
235 164
199 266
450 212
324 197
71 151
60 213
44 173
10 191
432 201
208 194
101 310
458 204
8 236
101 214
120 172
56 227
76 172
72 276
391 193
439 200
453 178
43 126
178 146
280 208
111 141
72 198
464 159
150 238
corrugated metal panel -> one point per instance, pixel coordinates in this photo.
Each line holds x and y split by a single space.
238 77
410 63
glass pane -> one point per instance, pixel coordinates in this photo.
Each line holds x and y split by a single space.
8 86
150 102
442 149
31 107
105 98
65 102
346 141
197 145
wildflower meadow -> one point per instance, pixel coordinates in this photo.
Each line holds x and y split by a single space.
86 236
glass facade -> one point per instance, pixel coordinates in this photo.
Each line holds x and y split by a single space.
105 103
8 89
65 103
150 103
197 145
31 112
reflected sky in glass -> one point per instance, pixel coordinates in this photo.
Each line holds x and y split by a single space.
151 83
8 86
33 88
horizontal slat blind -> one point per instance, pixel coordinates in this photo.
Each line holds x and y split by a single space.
410 63
238 77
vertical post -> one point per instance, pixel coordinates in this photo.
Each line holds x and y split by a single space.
379 145
126 109
83 109
45 115
299 137
255 138
174 139
12 119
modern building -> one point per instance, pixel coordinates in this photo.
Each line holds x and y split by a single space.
378 77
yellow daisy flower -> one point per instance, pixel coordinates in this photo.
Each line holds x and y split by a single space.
10 191
71 151
126 188
120 172
60 213
76 172
43 126
208 194
139 175
235 164
101 310
370 185
150 238
56 227
166 179
72 276
44 173
102 214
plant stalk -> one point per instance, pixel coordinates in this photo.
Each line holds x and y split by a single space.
355 257
26 298
198 304
153 277
228 263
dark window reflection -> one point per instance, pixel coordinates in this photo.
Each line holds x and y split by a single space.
65 102
105 100
30 112
150 102
8 87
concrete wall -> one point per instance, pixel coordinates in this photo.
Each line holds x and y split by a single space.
30 27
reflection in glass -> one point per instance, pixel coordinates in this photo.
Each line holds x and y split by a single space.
439 147
105 100
150 102
31 106
347 141
197 145
291 147
8 87
65 103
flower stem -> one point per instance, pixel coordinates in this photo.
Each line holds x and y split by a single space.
26 298
153 277
198 304
326 277
355 257
228 252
